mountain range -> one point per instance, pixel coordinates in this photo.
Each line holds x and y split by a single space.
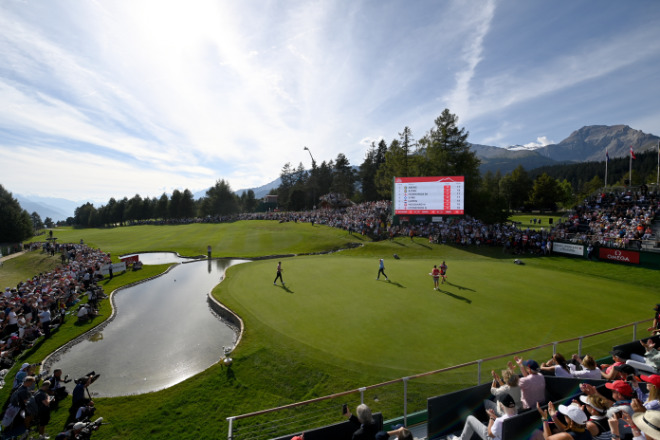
588 144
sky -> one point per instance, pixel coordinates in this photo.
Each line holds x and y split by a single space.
102 99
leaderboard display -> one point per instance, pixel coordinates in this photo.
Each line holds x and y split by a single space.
440 195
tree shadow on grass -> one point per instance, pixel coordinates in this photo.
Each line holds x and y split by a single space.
459 287
459 297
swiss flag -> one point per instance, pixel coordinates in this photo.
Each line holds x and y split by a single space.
632 153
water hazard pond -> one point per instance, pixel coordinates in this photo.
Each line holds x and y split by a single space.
164 332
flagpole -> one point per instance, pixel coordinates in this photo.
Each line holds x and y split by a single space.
630 167
607 159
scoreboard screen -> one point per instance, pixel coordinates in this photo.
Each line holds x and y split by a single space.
441 195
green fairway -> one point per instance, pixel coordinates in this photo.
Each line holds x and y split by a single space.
526 220
404 325
333 327
241 239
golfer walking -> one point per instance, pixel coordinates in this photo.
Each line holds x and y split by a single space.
443 272
381 269
435 273
279 273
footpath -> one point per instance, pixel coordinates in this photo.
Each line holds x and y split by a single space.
10 256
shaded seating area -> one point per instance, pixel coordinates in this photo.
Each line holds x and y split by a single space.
447 413
337 431
635 347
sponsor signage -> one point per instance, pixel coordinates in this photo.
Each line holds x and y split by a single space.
567 248
116 268
618 255
132 259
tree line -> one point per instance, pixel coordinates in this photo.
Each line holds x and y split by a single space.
219 200
442 151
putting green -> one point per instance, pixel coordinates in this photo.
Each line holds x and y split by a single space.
486 307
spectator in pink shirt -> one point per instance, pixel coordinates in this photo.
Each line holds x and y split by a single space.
532 384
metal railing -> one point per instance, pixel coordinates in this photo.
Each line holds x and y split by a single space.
402 401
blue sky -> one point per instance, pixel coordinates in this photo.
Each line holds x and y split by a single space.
109 99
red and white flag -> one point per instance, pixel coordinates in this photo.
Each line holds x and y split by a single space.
632 153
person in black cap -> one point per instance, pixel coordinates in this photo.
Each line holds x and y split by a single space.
494 428
655 328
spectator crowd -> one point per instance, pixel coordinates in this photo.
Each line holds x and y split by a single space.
29 313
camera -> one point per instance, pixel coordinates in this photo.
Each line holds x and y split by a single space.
88 427
91 376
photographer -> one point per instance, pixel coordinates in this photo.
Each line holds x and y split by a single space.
78 398
57 388
72 433
80 430
85 412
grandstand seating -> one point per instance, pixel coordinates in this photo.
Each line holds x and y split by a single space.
447 413
634 347
338 431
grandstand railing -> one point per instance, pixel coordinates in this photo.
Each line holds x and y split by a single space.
395 396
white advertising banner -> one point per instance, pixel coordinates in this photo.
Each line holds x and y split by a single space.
567 248
116 268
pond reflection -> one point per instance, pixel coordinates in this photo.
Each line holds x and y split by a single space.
164 332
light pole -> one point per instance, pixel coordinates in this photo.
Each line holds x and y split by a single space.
312 183
310 155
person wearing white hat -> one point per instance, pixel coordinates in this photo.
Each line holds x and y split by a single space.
649 423
596 406
575 427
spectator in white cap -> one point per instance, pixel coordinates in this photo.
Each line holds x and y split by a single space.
596 406
574 428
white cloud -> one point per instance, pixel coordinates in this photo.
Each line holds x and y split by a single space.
541 141
478 22
70 174
181 94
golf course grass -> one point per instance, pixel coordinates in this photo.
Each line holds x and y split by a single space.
334 327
